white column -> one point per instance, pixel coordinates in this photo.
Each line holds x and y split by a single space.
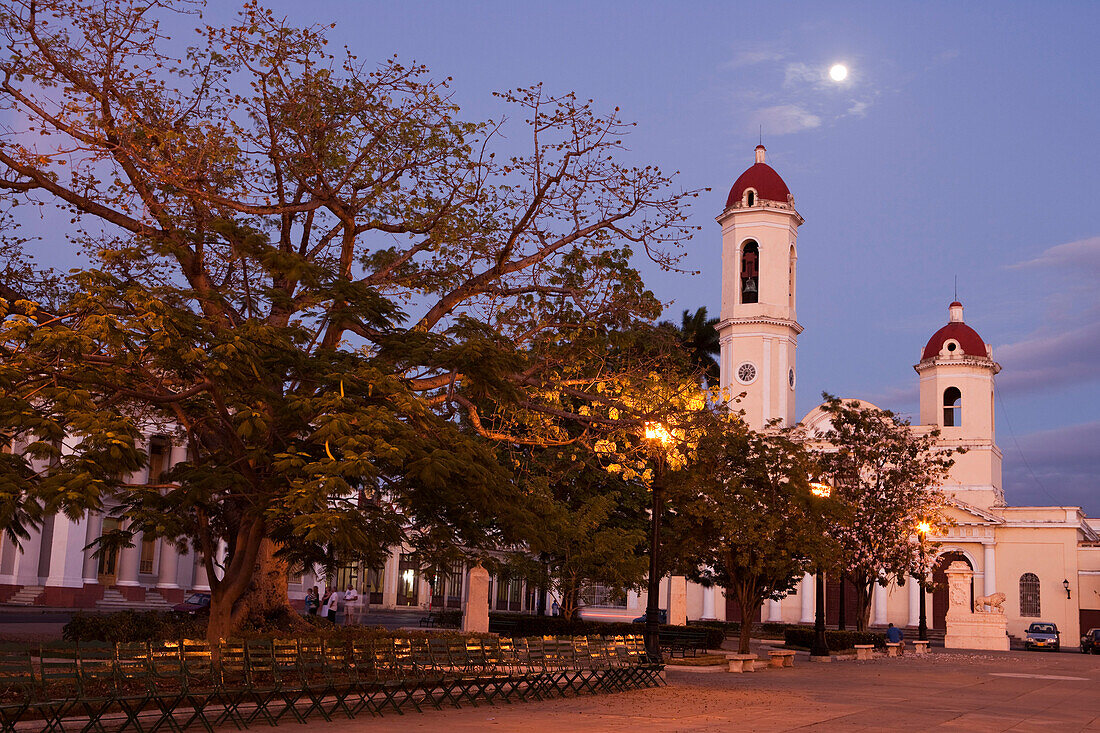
201 579
66 564
775 611
129 563
26 562
168 572
92 529
389 580
914 602
880 605
709 592
809 597
990 569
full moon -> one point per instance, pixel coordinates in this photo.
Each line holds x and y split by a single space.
838 72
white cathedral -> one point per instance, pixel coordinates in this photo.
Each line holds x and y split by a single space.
1045 559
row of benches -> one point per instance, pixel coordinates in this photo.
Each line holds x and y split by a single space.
178 685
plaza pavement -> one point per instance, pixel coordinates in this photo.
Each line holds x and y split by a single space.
963 691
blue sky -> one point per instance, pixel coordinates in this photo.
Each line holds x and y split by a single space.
964 143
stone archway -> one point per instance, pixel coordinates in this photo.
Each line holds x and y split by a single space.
939 592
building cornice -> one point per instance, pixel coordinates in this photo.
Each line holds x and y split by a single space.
764 205
766 320
983 362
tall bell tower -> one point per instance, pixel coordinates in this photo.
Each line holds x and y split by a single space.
758 330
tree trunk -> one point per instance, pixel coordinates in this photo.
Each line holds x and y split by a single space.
864 588
267 595
751 603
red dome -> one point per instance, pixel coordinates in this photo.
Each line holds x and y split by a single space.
969 340
763 178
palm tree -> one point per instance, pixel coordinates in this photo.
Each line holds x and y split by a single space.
699 335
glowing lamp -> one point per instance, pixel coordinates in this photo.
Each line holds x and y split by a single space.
657 431
822 490
924 528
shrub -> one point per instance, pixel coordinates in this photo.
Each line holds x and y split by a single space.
132 626
518 624
802 636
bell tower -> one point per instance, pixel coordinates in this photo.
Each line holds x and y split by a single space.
957 396
758 330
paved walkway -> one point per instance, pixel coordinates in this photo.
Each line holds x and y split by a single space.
974 692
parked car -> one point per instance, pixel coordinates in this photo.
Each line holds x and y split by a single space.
1042 635
662 617
194 604
1090 642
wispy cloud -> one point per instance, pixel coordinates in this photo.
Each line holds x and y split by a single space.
783 119
754 57
1082 254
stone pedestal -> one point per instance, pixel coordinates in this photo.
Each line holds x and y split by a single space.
677 601
475 617
966 629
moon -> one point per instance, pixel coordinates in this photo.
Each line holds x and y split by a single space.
838 72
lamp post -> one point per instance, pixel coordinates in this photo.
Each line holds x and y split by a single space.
922 627
820 646
659 438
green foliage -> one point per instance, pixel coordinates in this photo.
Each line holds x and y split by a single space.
315 276
508 624
744 517
132 626
803 637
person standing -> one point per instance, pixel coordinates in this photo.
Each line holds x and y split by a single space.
313 601
335 603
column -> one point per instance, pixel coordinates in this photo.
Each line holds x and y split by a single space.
129 562
808 607
775 611
66 564
914 602
709 592
92 530
389 580
880 605
201 581
990 569
26 562
168 572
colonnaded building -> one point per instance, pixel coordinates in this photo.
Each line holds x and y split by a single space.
1045 559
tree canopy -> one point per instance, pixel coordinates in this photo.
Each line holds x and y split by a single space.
315 275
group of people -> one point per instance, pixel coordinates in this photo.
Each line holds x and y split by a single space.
333 605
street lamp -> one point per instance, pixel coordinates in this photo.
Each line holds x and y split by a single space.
1065 584
922 626
820 646
660 438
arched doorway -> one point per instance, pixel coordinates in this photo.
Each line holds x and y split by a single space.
939 590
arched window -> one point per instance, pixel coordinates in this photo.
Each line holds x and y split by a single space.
750 199
1029 595
750 272
952 407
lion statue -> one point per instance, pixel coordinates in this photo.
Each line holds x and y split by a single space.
995 602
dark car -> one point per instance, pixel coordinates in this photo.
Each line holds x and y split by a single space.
662 617
1042 635
1090 642
194 604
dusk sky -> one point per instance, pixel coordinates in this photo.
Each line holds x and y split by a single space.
963 143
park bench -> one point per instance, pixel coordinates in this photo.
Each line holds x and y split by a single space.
739 663
680 640
893 648
781 658
920 648
186 684
865 651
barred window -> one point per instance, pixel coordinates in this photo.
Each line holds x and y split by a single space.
598 594
1029 595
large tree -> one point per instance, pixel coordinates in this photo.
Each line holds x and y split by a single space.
745 517
315 273
888 475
